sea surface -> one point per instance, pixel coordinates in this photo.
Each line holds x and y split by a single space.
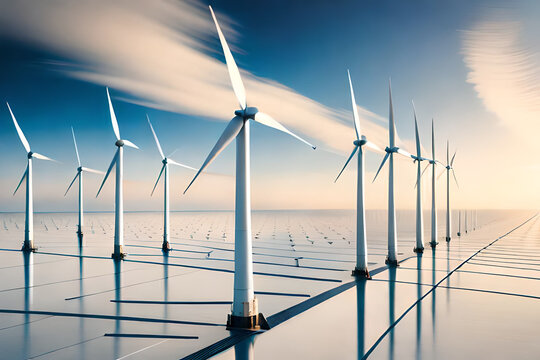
70 300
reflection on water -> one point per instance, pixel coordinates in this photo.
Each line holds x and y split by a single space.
360 315
118 304
391 309
165 287
433 295
28 258
244 349
419 306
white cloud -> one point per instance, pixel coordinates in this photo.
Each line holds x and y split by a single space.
159 52
505 72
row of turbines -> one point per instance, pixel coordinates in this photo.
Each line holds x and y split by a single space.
245 312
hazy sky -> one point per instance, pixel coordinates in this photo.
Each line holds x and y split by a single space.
473 66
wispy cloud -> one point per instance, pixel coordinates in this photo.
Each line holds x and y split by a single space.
165 55
505 72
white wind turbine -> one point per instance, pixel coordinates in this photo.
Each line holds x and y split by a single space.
117 160
79 175
28 244
244 310
419 247
166 160
391 259
449 167
361 268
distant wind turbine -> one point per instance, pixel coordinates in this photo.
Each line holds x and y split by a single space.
28 244
79 175
117 160
244 310
419 247
361 268
391 259
449 168
166 160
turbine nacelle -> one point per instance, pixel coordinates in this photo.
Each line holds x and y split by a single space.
119 143
248 113
390 150
30 154
360 142
80 169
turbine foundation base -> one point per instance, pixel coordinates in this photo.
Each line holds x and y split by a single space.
361 273
166 246
418 250
448 239
254 322
433 244
391 263
118 253
458 234
28 246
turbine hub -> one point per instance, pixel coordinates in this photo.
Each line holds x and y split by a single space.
30 154
79 169
119 143
391 149
164 161
360 142
248 113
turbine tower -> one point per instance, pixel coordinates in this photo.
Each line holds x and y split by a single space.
244 310
419 247
28 245
433 164
166 160
361 269
391 258
80 170
449 168
118 161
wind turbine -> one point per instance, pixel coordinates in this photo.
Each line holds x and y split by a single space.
419 247
361 268
117 160
166 246
79 175
28 244
391 259
244 310
449 168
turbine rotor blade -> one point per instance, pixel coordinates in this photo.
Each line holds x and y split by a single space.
355 109
76 150
455 178
267 120
391 122
171 161
113 117
228 135
374 147
452 161
347 162
380 167
113 162
433 139
404 153
441 174
75 178
92 170
19 131
157 181
20 182
417 135
234 73
130 144
42 157
155 137
423 171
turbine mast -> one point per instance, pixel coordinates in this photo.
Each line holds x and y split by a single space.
29 219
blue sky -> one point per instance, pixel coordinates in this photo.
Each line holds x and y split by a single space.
163 58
